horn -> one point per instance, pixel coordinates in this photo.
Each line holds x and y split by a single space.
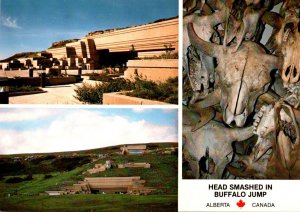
207 48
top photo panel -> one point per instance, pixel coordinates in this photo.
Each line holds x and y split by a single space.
89 52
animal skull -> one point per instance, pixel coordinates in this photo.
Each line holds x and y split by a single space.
288 39
199 67
215 137
276 152
242 75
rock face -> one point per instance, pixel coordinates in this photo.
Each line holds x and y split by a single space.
62 43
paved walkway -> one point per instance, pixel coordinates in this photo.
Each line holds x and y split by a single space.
59 94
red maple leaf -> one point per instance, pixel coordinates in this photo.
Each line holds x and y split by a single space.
240 203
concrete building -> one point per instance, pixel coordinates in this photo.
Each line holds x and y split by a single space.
117 46
109 185
133 149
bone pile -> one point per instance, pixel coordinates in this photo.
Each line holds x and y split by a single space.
241 89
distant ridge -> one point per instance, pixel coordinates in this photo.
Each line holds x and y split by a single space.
92 151
116 29
21 55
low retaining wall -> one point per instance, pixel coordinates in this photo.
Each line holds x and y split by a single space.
74 72
22 73
61 80
119 98
157 70
36 81
25 73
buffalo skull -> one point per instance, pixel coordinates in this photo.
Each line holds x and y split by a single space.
276 153
288 40
242 75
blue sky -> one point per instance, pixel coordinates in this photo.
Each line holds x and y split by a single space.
32 130
32 25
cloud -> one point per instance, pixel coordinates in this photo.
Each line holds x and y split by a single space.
9 22
82 129
19 115
141 110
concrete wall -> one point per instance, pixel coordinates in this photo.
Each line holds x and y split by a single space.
36 81
62 52
145 37
61 80
23 73
157 70
119 99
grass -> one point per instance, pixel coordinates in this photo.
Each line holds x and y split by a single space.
95 202
162 176
39 184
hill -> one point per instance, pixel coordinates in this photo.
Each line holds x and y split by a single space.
53 171
21 55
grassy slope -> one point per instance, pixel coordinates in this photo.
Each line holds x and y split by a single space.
39 184
162 176
94 202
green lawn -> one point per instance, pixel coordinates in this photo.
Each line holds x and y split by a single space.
94 202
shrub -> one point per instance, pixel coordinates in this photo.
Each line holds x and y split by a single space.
167 92
24 88
67 163
38 160
8 167
163 56
14 180
49 157
94 94
47 176
28 177
102 78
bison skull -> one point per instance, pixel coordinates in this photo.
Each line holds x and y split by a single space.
288 39
276 152
242 75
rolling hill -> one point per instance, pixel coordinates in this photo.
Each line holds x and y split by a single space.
53 171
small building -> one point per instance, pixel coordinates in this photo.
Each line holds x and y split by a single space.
54 193
134 165
98 168
133 149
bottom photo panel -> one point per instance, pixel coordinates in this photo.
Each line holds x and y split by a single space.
88 159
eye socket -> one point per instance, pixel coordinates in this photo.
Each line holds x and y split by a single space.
289 26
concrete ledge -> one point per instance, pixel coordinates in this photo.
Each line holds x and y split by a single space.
73 72
36 81
25 93
157 70
119 98
61 80
153 63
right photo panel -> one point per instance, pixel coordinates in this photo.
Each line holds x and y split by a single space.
240 102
